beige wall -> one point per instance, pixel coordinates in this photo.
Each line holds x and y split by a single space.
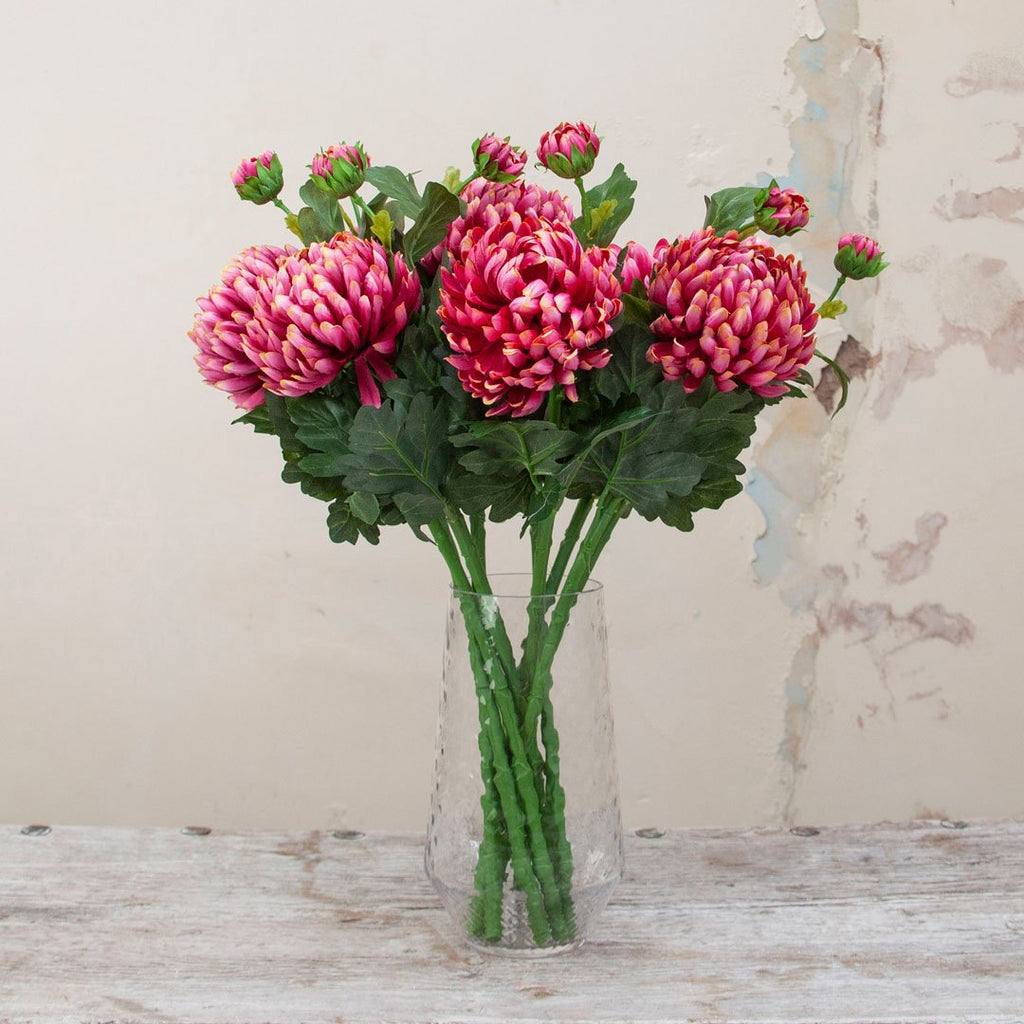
180 641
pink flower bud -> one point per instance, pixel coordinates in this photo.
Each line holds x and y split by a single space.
496 160
781 211
569 149
340 170
859 256
259 179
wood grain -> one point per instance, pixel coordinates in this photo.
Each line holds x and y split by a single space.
886 923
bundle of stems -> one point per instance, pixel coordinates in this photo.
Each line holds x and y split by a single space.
522 798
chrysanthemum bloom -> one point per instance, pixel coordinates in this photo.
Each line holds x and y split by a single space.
220 327
259 179
638 263
735 310
330 305
340 170
496 160
525 308
781 211
569 149
858 257
489 203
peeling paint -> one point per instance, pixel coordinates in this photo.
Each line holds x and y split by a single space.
908 560
855 360
800 687
1001 203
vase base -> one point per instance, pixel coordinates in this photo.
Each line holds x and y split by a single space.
523 952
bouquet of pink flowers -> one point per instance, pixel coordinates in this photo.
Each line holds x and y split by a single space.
485 350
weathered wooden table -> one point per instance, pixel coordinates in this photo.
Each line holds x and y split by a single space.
919 922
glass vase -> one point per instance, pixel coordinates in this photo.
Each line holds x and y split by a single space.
524 844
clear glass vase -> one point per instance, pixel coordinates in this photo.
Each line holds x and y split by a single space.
524 844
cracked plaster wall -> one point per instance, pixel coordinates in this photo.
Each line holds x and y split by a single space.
840 643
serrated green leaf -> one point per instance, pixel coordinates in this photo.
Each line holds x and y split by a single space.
311 227
325 207
618 188
345 528
258 419
320 423
383 227
731 208
511 446
396 185
364 506
628 371
403 454
440 208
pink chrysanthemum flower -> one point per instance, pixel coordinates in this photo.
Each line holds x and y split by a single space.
524 308
220 328
332 304
489 203
736 310
638 263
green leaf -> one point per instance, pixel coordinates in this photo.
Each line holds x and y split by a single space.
628 372
397 185
731 208
383 227
401 454
364 506
511 446
258 419
311 227
321 423
345 528
325 207
440 208
618 189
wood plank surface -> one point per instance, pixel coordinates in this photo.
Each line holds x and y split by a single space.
922 922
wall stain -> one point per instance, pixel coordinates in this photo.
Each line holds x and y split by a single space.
1001 203
908 559
979 302
855 360
988 72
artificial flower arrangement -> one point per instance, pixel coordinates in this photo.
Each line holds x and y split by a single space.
481 350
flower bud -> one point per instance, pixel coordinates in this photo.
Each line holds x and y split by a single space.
340 170
858 257
780 211
259 179
569 149
496 160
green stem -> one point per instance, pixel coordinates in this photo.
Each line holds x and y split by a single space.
280 205
584 206
500 781
360 207
572 535
835 291
510 704
478 533
349 223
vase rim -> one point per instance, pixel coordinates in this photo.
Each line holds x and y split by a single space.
503 585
